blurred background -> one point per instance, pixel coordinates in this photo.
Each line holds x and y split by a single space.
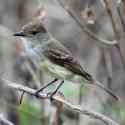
105 61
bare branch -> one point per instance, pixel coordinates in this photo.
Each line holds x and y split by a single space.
108 65
109 11
116 33
78 109
120 14
34 76
4 120
85 29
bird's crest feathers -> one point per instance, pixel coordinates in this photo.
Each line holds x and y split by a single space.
34 27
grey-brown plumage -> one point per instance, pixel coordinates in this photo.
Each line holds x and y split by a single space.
59 55
54 51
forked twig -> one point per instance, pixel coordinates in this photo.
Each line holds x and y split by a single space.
78 109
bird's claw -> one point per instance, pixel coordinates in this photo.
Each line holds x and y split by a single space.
36 94
50 95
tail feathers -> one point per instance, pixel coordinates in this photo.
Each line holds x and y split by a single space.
86 76
90 79
106 89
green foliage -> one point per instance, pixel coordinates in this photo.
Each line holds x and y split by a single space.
117 111
30 114
71 89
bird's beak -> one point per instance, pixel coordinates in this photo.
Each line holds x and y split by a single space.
21 33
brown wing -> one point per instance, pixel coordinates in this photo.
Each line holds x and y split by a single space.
65 59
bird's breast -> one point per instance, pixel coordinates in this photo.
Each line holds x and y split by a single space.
55 70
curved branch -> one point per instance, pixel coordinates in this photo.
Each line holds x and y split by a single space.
78 109
4 120
85 29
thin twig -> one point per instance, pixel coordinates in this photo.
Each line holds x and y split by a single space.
78 109
108 65
109 11
85 29
80 101
34 76
120 15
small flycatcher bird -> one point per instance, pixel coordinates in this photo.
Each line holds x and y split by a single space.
51 50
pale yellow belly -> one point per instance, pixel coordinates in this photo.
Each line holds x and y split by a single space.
56 70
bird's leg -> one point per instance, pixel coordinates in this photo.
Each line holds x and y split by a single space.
41 89
55 91
21 98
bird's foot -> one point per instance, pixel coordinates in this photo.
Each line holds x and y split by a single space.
41 89
50 95
21 98
37 94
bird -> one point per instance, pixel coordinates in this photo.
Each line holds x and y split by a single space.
49 49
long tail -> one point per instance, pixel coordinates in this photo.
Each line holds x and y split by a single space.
90 79
105 89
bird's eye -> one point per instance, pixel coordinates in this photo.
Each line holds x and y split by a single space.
34 32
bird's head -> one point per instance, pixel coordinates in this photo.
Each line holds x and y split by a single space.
33 31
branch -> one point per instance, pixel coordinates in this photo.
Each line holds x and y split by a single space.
109 11
4 120
108 66
119 3
116 33
85 29
84 111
